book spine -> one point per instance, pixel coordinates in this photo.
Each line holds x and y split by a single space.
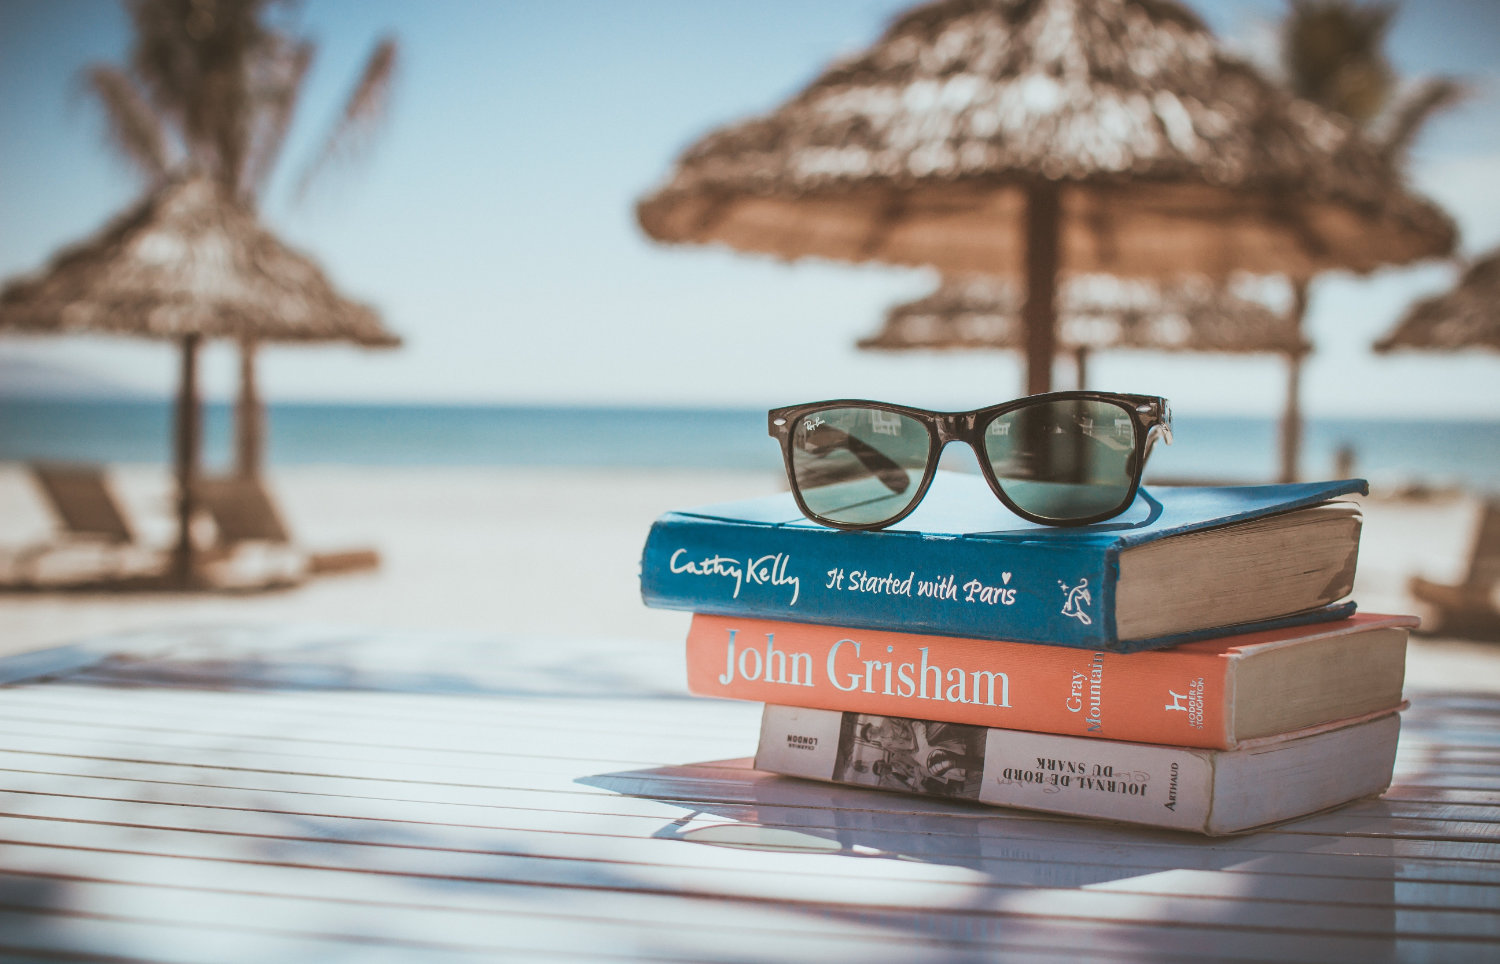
1052 592
1170 697
1170 787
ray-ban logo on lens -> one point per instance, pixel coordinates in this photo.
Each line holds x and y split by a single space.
811 424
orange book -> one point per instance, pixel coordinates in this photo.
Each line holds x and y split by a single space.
1216 693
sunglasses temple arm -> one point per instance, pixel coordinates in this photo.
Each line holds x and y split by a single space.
1158 431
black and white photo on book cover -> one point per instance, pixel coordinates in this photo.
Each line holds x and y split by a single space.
917 756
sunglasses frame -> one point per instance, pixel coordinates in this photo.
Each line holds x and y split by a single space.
1150 414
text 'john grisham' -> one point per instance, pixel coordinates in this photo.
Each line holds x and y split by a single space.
848 669
771 570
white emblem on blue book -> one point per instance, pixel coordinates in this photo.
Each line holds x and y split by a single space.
1077 597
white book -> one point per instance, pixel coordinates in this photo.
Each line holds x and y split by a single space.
1183 788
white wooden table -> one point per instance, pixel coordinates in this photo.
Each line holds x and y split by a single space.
316 794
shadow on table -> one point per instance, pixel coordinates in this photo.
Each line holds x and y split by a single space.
303 657
1327 882
1030 869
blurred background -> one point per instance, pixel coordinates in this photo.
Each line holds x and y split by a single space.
554 359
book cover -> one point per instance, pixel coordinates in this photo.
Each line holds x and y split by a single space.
1180 788
1214 693
960 565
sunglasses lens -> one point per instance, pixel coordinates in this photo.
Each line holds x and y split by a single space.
858 466
1064 460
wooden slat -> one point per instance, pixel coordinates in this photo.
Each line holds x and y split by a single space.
622 902
535 768
367 778
611 841
683 786
1027 849
1025 940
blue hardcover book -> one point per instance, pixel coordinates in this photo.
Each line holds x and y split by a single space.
1182 563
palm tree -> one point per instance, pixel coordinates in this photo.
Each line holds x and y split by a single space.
211 87
1332 54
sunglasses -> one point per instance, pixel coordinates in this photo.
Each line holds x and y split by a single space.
1061 459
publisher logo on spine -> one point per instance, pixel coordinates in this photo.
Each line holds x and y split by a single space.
1190 701
1075 598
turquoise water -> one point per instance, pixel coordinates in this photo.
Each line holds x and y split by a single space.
1387 451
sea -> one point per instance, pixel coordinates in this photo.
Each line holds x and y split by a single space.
1390 452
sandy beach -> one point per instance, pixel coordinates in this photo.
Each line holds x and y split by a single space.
553 553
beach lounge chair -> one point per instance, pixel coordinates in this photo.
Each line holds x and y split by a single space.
87 516
1469 608
245 516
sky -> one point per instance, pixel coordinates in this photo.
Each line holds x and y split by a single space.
492 224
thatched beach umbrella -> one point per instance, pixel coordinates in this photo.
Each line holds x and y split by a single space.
1023 137
187 263
1095 312
1466 317
1099 312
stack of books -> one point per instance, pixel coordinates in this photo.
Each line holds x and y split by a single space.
1192 664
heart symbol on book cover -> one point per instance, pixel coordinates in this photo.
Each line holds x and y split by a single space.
1005 578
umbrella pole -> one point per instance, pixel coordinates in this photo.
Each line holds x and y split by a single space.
1043 223
1291 419
249 415
189 431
